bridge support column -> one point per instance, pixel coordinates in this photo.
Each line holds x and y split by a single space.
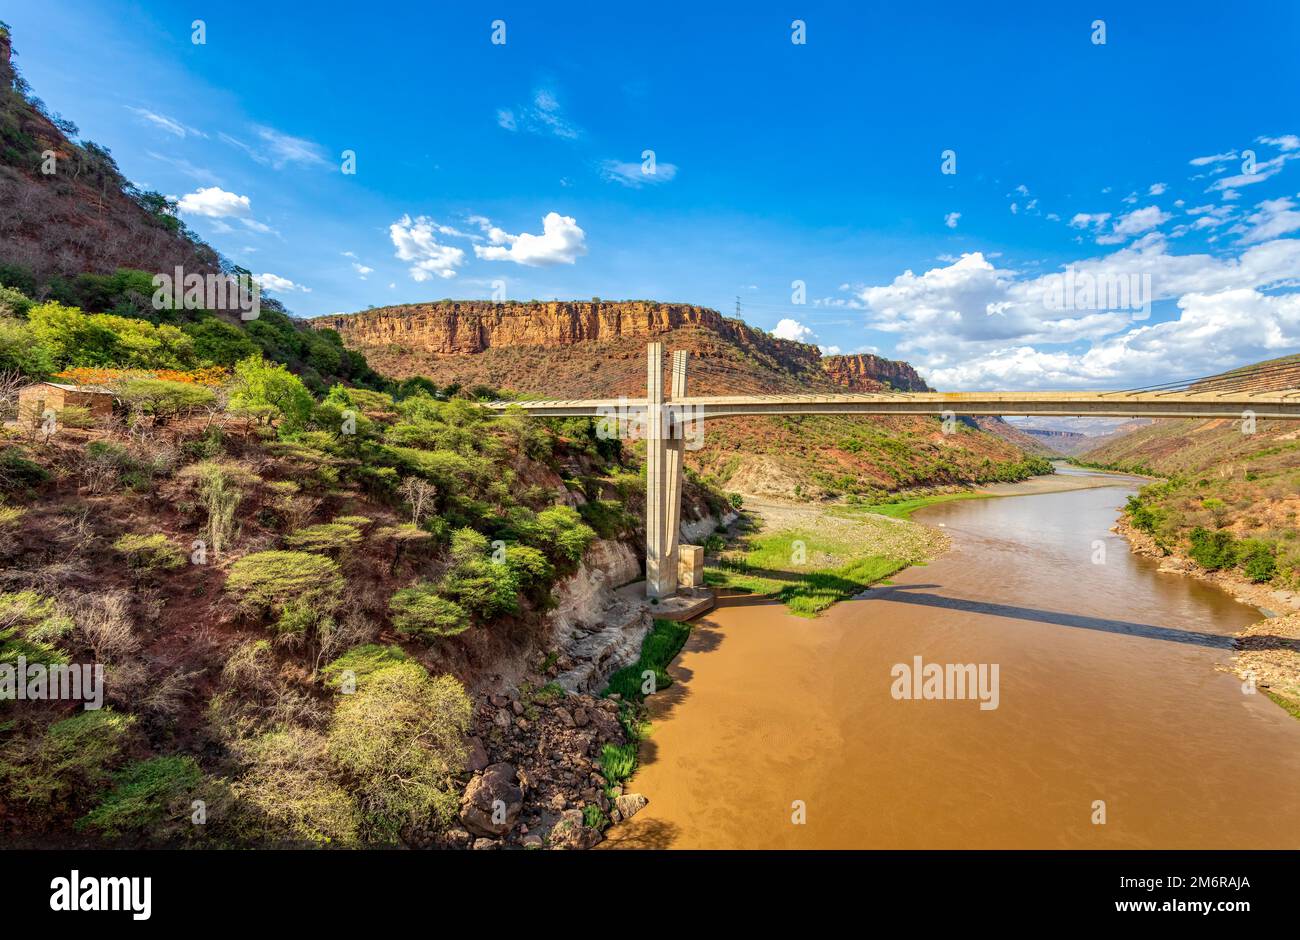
676 476
664 475
656 469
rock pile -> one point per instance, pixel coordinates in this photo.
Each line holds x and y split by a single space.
534 770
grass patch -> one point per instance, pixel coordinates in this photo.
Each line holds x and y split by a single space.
903 508
660 645
806 571
1290 706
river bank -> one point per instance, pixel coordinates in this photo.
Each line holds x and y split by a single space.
1268 654
782 732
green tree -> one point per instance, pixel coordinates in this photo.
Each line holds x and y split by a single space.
270 389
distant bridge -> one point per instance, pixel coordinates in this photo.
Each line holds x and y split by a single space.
665 423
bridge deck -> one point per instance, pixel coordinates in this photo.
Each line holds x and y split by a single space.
1181 404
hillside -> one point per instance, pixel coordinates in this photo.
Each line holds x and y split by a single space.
592 349
1231 500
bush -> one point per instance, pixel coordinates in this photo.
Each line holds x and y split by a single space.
482 587
399 739
291 793
1257 560
72 756
658 648
529 565
150 552
1213 550
564 532
326 537
362 662
420 611
270 390
164 399
277 581
146 795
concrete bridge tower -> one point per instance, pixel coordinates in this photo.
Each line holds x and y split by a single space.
665 473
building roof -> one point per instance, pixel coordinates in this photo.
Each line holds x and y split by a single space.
88 389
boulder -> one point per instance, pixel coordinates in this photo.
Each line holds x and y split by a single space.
477 757
629 804
571 833
492 801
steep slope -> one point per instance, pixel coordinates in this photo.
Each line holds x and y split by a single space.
1222 477
84 216
590 349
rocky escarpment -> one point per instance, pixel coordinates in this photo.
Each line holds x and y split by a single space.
865 372
467 327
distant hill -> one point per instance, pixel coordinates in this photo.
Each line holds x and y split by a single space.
597 348
1221 480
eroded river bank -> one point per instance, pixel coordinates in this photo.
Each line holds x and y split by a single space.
1109 701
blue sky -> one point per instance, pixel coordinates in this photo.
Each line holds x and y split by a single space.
775 163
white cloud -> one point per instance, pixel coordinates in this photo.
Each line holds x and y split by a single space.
1273 217
283 284
634 174
1285 142
1089 220
1134 223
544 116
794 330
277 150
168 124
1213 158
830 350
362 270
416 241
970 324
951 219
1157 189
561 242
213 202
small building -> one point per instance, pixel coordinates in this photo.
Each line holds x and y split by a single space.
35 400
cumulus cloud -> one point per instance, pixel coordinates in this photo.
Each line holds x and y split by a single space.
213 202
361 269
951 219
561 242
1134 223
636 175
793 329
416 241
277 283
1273 217
970 323
1157 189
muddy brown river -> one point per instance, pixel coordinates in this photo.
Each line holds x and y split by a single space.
1109 701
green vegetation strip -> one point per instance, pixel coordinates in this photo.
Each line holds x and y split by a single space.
806 571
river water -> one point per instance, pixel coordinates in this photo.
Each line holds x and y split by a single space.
1109 701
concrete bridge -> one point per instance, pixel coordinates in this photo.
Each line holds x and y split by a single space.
668 422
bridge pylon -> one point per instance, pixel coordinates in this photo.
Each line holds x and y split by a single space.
664 472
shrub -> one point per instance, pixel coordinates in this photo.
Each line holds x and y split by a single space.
72 756
150 552
529 565
29 625
218 485
17 472
482 587
146 795
362 662
326 537
658 648
276 581
1257 559
420 611
270 390
400 740
291 793
1213 550
564 532
165 399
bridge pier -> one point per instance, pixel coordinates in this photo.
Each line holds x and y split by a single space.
664 473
